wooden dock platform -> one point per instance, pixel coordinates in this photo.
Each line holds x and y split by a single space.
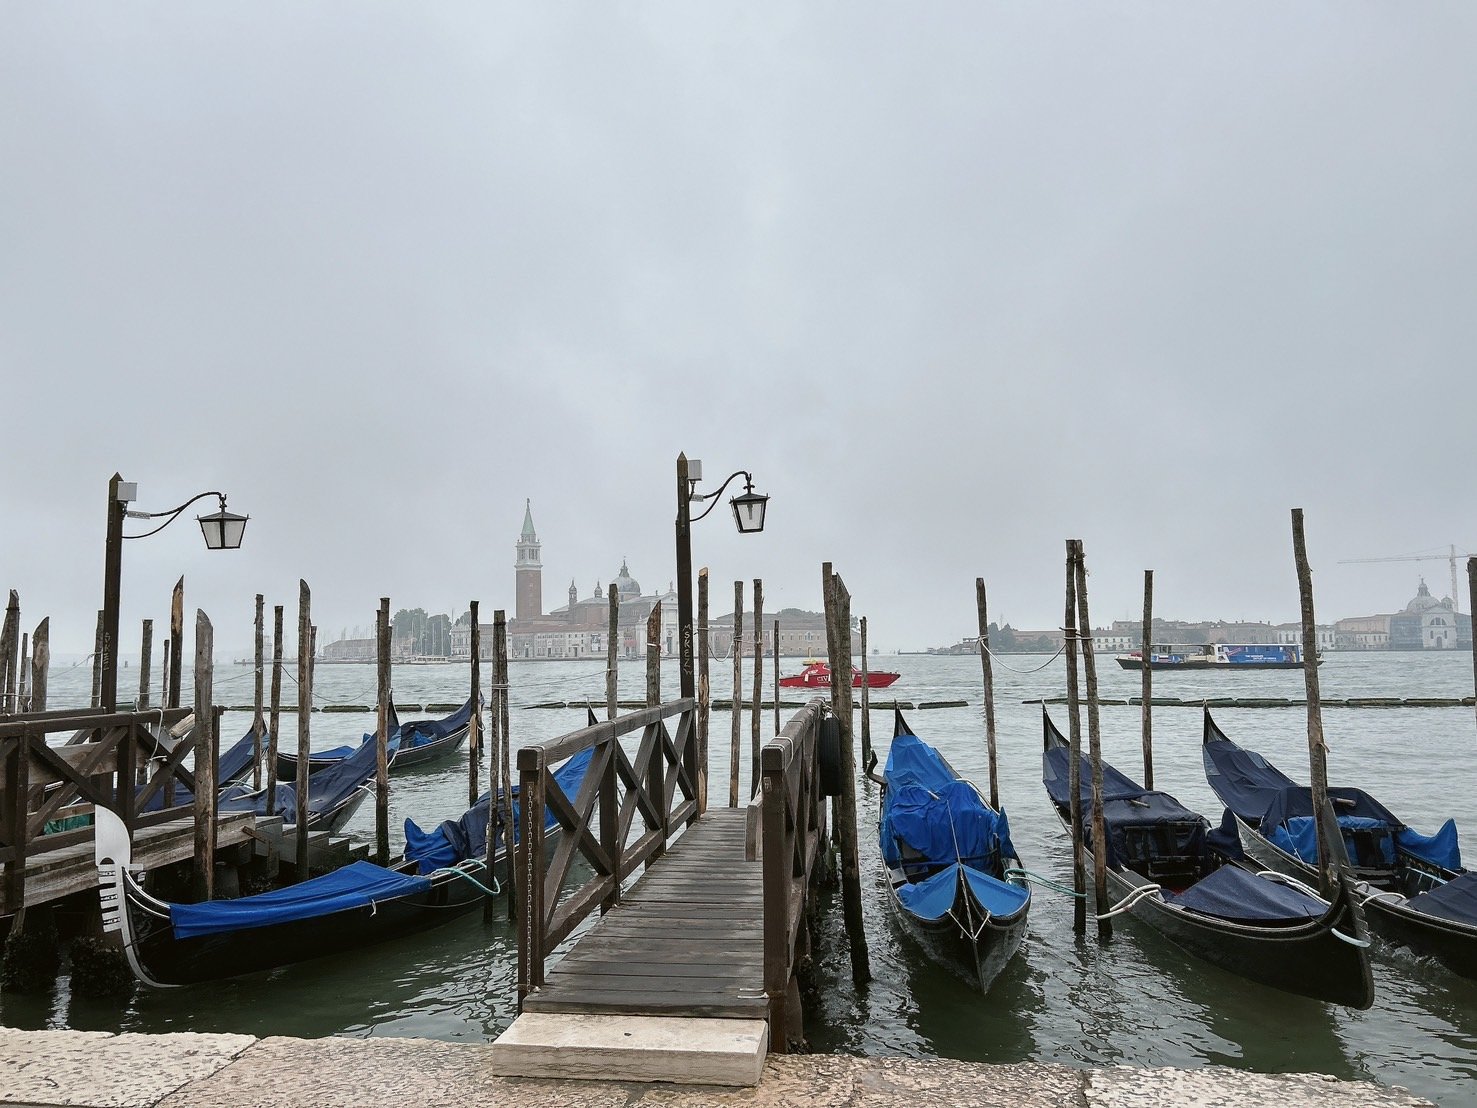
685 940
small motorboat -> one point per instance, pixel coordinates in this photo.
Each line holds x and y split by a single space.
817 675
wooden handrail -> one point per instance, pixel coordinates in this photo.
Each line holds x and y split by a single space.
659 785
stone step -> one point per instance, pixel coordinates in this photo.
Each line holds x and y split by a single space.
682 1050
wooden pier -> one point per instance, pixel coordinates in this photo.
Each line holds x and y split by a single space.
690 972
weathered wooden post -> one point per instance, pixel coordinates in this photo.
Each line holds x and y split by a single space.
205 748
736 701
99 645
869 760
304 712
987 674
1317 750
704 690
654 655
505 754
177 636
1074 773
1472 607
755 715
258 718
838 640
40 664
777 727
1146 695
1095 750
145 663
611 638
382 733
23 701
275 720
474 725
9 637
164 670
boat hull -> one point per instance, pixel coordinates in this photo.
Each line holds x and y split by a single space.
1452 943
977 960
1199 667
1305 959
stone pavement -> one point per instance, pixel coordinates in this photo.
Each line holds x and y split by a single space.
91 1069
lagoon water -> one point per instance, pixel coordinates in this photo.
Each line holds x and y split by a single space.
1133 1000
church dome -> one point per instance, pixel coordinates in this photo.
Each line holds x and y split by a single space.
626 585
1423 600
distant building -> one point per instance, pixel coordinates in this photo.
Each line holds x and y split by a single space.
1430 624
349 650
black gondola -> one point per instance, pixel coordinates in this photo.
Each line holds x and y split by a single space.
1412 886
1192 885
948 860
442 875
410 744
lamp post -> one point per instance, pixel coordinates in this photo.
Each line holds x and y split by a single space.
222 530
748 515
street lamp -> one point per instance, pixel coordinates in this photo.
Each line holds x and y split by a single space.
748 515
222 530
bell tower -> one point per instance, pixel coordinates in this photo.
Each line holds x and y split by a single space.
529 575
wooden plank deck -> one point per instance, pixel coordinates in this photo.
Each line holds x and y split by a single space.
686 939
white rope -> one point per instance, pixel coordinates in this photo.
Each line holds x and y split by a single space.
1129 901
1014 669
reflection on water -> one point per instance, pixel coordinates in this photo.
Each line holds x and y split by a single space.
1134 1000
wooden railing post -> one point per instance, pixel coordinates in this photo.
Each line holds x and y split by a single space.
127 776
530 852
17 789
775 858
610 819
205 747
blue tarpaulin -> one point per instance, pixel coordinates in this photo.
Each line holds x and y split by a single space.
1455 900
938 816
351 887
932 898
456 840
1232 893
1440 849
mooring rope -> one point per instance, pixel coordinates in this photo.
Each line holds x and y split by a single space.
1047 881
1013 669
1129 901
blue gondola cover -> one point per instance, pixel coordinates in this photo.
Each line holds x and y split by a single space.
1232 893
1456 900
932 898
939 816
1440 849
352 886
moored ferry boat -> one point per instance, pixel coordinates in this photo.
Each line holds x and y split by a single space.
1218 655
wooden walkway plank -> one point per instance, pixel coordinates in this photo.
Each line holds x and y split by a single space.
686 939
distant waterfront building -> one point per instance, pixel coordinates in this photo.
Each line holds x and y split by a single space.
1430 624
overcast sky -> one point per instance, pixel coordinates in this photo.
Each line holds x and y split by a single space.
955 281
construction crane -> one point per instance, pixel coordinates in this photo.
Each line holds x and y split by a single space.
1451 557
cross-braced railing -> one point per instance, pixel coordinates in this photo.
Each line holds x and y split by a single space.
659 784
790 840
100 764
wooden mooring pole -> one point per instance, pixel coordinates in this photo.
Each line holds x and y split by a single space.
145 663
505 757
304 713
258 718
384 700
275 720
611 638
1095 749
777 727
23 693
98 646
40 664
1146 707
987 675
704 690
1317 749
756 719
1472 607
205 759
735 700
474 725
494 777
838 638
1074 732
177 636
654 655
869 760
9 637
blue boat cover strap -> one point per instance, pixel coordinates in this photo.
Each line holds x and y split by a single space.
353 886
932 898
1231 893
1456 900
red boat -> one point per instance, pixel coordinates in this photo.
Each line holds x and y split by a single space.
817 675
